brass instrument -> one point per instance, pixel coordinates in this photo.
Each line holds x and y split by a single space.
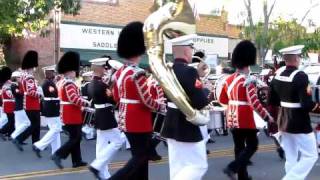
172 18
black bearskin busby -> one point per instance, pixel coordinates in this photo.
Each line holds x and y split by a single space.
70 61
131 41
30 60
197 55
244 54
5 74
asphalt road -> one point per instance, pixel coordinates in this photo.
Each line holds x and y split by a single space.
25 165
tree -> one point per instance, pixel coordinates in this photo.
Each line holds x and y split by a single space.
19 16
261 29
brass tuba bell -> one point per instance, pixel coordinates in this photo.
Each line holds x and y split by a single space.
171 18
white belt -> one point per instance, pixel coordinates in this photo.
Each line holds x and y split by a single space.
65 103
238 103
129 101
50 99
85 97
8 100
172 105
290 105
101 106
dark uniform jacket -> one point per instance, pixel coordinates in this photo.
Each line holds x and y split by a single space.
104 117
290 87
50 102
18 95
175 125
84 90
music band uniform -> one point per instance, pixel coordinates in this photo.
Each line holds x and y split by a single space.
109 138
8 102
51 112
22 121
31 99
72 105
135 103
290 92
239 93
183 137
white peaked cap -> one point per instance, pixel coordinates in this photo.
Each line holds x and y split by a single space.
87 74
99 61
49 68
295 50
16 74
115 64
183 40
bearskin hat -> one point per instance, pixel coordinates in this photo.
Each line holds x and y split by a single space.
5 74
70 61
30 60
197 55
244 54
131 41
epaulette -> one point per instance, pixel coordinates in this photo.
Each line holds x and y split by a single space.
137 72
254 80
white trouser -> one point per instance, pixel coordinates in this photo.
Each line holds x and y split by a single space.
108 143
3 118
22 122
52 136
187 161
293 144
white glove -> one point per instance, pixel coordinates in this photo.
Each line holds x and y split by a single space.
201 118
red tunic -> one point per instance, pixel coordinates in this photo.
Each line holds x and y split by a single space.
155 90
31 96
242 100
135 100
71 102
7 98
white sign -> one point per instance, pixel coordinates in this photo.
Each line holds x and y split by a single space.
88 37
208 44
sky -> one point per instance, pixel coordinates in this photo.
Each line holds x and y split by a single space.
286 9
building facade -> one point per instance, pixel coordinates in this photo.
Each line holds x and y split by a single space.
94 32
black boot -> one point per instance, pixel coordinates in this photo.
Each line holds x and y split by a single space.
37 151
95 172
17 144
79 164
231 175
57 161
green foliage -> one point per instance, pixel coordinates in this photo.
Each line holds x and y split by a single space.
30 15
282 34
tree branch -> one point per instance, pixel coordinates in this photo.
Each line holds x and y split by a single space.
308 11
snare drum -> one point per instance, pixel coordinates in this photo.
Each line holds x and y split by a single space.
217 119
89 116
315 93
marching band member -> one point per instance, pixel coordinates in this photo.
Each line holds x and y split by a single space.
51 112
31 100
183 137
72 103
8 102
3 116
22 121
240 94
135 103
290 91
109 138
